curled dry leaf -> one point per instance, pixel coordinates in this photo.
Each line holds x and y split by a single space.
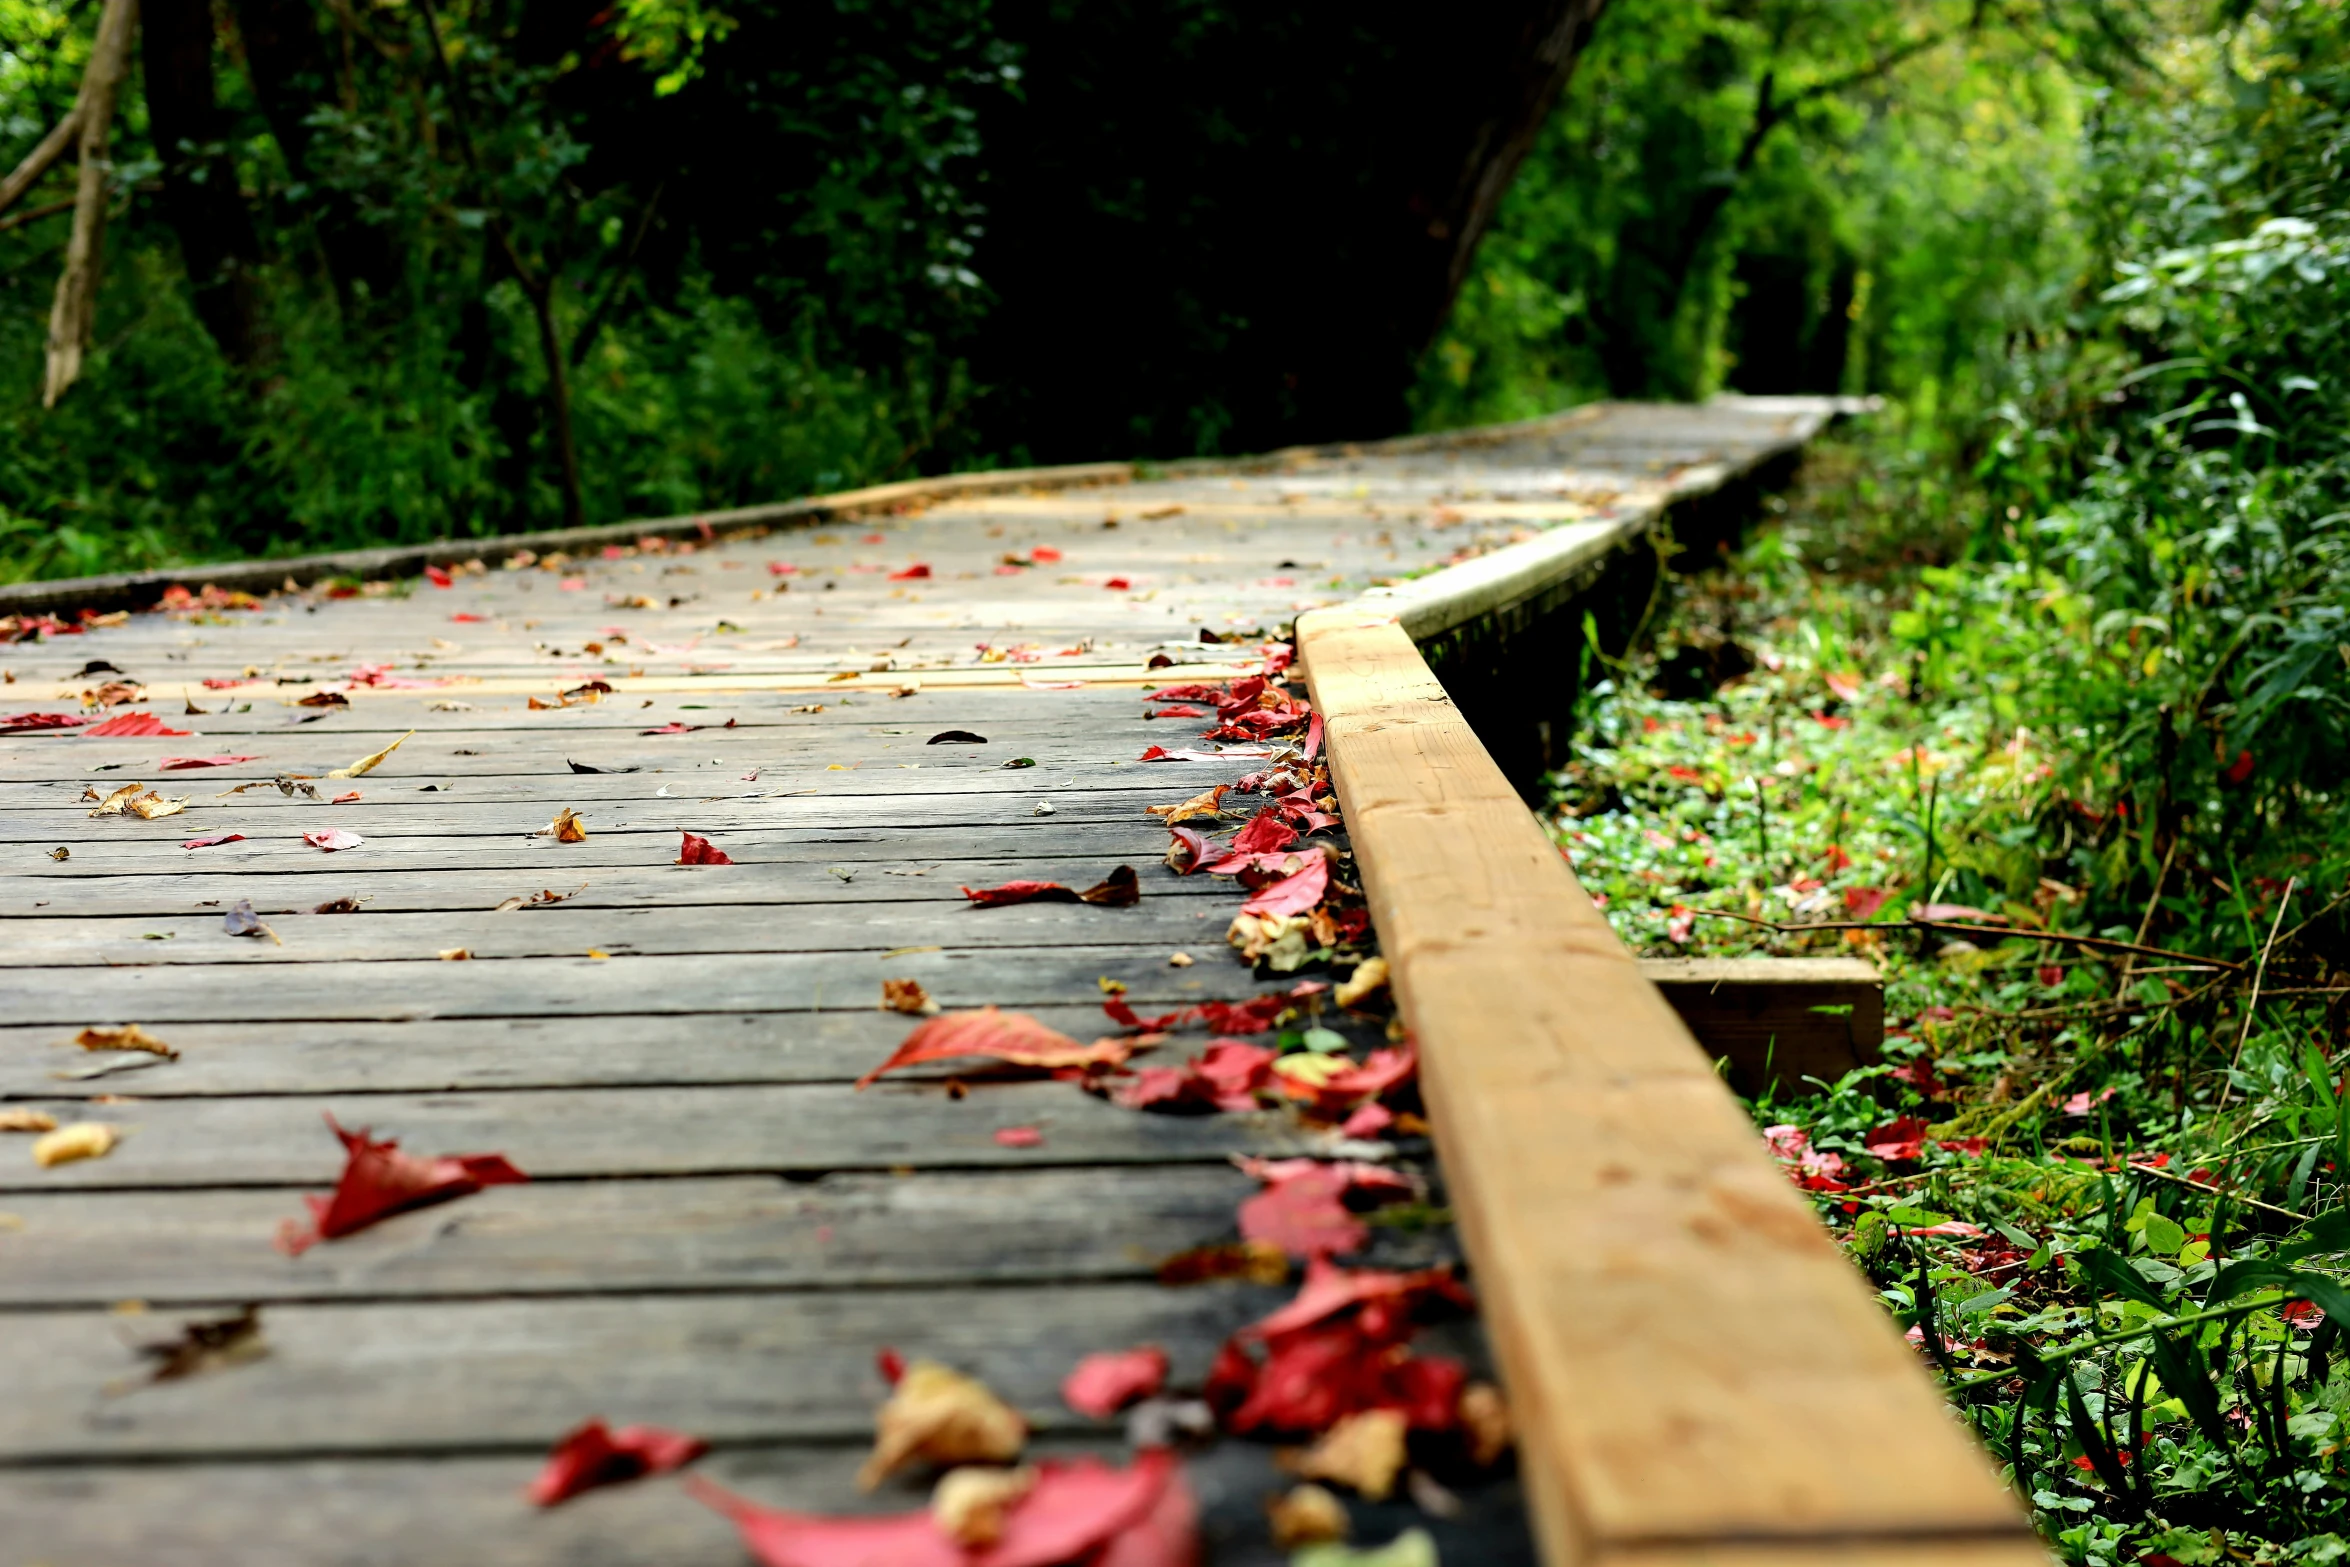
565 828
370 762
1187 850
1104 1383
112 804
152 806
346 904
333 840
324 699
16 1118
697 851
128 1037
1306 1515
1369 977
209 1345
594 1455
214 841
80 1140
1011 1037
240 920
1295 893
956 737
968 1504
907 996
1364 1451
1019 1137
1206 806
938 1414
456 954
1120 889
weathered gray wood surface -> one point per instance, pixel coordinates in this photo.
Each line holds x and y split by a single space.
720 1233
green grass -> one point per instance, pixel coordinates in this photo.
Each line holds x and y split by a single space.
2097 1179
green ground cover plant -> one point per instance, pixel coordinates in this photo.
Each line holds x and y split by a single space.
2043 708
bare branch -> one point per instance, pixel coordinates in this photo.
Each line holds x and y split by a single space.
36 162
76 307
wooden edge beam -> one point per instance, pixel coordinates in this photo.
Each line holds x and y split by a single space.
1697 1373
1795 1021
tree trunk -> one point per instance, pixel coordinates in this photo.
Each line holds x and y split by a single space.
292 76
200 192
76 308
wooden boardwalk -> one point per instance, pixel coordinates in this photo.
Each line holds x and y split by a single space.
718 1233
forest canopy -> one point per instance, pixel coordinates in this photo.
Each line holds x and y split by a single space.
383 270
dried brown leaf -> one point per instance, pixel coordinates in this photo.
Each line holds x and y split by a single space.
938 1414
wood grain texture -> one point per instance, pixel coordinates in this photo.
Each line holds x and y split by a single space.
1691 1358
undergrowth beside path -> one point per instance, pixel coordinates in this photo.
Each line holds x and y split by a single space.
2098 1176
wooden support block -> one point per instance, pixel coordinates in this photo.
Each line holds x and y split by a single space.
1783 1019
1697 1374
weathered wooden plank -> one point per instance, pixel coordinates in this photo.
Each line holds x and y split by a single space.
838 1044
469 1376
1691 1359
839 1232
569 929
468 1512
572 1133
655 985
1785 1021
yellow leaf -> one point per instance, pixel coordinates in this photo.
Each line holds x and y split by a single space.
22 1120
1370 976
151 805
82 1140
1308 1515
1312 1067
565 828
368 763
1486 1421
1365 1451
113 804
968 1504
1209 805
128 1037
938 1414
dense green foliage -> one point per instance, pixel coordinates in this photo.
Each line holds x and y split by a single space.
2058 643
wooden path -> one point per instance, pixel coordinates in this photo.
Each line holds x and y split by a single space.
718 1233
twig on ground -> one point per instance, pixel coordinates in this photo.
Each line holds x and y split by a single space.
2099 943
2252 1006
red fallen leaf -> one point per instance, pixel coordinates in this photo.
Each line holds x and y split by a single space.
1382 1070
181 764
890 1364
2240 769
439 577
1019 1137
2049 974
1811 1169
595 1455
1117 584
1831 721
1045 554
333 839
1020 892
1305 1215
1232 1072
1012 1037
699 851
379 1180
1266 833
779 568
1313 738
1081 1510
674 727
1125 1016
33 723
1963 912
1368 1121
1104 1383
1190 693
913 573
1156 1087
1904 1137
345 798
1972 1147
472 620
1330 1289
2081 1103
1862 903
1179 710
1294 894
215 841
1258 1013
1186 848
1261 870
140 725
